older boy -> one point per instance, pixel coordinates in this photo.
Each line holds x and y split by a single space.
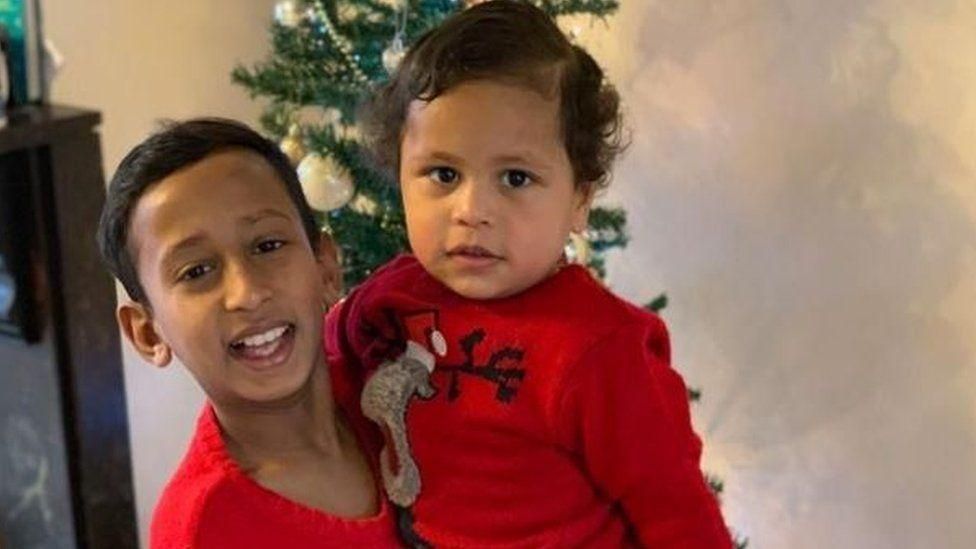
206 227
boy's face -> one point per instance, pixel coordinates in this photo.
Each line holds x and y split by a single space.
234 289
488 188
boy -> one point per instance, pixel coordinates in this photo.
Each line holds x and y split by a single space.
551 416
206 227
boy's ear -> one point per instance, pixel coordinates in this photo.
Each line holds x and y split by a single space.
138 327
331 269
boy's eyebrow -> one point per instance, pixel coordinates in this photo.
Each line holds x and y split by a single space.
197 238
263 213
187 242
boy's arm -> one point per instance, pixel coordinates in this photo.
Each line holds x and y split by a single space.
626 412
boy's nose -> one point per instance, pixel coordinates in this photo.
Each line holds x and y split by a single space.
474 204
245 288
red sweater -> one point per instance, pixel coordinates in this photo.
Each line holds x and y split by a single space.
210 503
558 420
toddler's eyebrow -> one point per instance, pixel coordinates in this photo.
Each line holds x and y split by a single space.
438 155
515 159
452 159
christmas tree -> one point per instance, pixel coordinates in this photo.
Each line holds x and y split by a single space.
326 57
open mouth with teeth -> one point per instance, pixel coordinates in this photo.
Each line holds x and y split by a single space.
266 348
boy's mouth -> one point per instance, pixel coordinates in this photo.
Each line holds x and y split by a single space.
266 347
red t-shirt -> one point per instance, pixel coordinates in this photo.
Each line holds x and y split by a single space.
210 503
558 420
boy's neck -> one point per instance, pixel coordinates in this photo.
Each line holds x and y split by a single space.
304 423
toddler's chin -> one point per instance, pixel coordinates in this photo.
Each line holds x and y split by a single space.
482 289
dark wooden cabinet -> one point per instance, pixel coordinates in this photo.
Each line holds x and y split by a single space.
65 471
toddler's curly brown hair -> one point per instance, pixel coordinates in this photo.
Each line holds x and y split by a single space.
504 40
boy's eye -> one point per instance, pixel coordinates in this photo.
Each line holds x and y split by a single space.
516 178
194 272
444 175
266 246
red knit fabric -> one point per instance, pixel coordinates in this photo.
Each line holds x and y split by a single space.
558 420
210 503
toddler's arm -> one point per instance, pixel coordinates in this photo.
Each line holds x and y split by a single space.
626 412
347 372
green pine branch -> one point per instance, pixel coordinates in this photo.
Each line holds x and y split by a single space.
558 8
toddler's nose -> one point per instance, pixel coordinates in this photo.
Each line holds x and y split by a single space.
474 204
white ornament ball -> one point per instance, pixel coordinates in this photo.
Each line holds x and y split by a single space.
393 55
326 184
288 13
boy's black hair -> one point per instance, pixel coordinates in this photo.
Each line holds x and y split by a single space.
504 40
178 145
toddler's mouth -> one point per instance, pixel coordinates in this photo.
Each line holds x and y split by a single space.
472 251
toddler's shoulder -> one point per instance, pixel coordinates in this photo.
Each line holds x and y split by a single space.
590 301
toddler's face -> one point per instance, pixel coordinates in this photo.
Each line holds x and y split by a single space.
488 188
236 291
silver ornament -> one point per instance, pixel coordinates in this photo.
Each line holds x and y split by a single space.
312 14
327 185
580 251
292 145
364 204
288 13
393 55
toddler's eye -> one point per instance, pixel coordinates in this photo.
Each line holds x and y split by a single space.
516 178
194 272
266 246
444 175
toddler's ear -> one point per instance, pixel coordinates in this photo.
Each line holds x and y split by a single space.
581 213
138 327
330 265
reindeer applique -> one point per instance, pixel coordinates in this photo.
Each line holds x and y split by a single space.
388 392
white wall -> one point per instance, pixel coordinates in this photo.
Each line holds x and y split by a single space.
137 62
802 183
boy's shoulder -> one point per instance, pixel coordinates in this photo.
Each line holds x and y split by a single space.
211 503
194 489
